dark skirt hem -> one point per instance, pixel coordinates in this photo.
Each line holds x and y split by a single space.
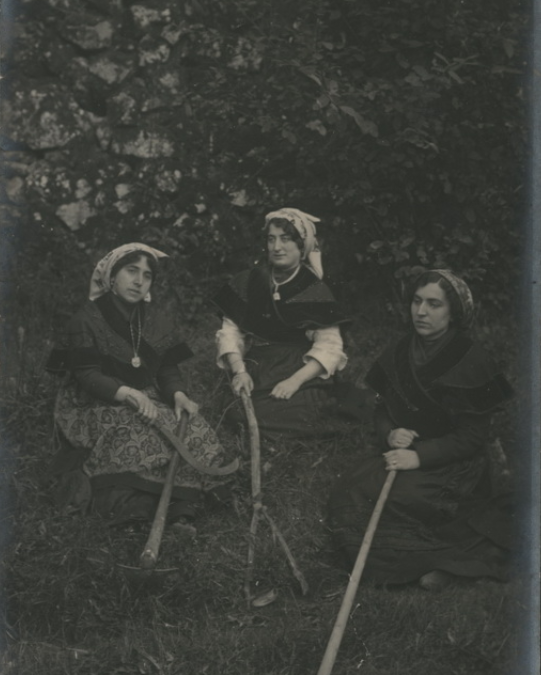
127 479
432 520
409 568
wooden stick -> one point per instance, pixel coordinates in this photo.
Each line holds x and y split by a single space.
249 574
255 445
291 560
349 596
255 455
257 498
149 556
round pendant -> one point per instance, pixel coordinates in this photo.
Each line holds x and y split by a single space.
136 362
276 296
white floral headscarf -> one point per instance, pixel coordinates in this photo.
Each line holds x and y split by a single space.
464 294
304 223
100 282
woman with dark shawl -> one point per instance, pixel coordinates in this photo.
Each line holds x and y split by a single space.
119 356
280 335
436 392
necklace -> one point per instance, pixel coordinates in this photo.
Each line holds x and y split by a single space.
136 360
276 284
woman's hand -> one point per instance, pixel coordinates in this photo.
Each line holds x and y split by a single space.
401 438
286 388
242 382
182 402
142 404
401 460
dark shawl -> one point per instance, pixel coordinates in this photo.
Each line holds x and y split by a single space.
459 379
98 338
305 303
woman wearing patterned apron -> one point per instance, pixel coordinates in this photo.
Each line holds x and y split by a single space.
119 357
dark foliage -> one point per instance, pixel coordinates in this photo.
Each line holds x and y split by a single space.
400 124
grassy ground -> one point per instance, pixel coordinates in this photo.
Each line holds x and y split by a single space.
73 606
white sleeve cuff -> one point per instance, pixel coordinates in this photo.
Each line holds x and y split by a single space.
229 340
328 349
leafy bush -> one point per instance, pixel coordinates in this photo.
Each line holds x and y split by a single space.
401 125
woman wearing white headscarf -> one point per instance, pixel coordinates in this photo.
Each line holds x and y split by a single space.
119 356
437 391
280 337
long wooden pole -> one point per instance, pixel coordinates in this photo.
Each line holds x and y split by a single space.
349 596
255 445
149 556
255 463
258 508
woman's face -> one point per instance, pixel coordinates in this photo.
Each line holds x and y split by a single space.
284 254
133 281
430 311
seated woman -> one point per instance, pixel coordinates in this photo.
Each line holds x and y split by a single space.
436 391
280 335
120 354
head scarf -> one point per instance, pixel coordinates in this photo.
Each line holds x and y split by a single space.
304 223
100 282
464 294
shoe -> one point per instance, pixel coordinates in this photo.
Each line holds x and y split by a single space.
435 580
183 527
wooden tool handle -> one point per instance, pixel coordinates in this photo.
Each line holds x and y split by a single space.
351 590
149 556
255 446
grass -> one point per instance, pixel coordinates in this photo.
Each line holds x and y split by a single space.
73 606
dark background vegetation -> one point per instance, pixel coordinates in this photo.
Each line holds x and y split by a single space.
403 126
400 124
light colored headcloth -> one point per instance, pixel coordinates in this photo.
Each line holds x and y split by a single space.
100 282
464 294
304 223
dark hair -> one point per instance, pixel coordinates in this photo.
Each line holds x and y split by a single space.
455 305
133 257
288 228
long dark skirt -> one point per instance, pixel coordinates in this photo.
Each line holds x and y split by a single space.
310 412
436 519
109 456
